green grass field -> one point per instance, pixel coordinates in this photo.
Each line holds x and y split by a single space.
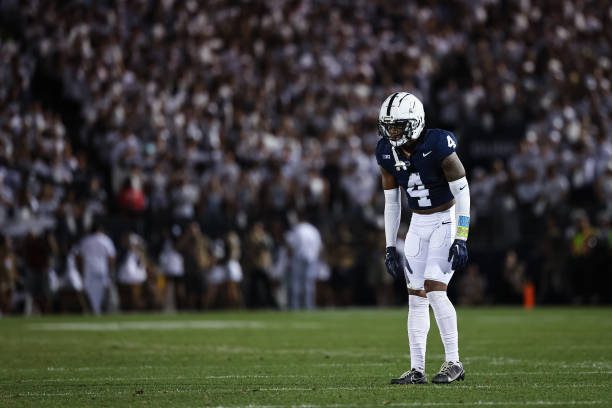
545 357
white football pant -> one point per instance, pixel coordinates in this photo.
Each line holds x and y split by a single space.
428 242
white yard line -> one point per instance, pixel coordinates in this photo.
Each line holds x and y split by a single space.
169 325
389 404
308 351
446 388
261 376
591 368
365 364
426 404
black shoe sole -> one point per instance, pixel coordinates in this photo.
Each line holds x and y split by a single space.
406 383
460 378
401 381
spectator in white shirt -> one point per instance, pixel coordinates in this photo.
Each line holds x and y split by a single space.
70 285
173 268
97 253
304 241
226 276
132 274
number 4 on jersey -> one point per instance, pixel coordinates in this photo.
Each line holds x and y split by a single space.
416 189
451 142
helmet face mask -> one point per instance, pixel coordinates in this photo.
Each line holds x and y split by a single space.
401 118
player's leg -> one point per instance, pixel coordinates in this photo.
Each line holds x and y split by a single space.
438 274
415 251
310 280
94 289
294 283
446 319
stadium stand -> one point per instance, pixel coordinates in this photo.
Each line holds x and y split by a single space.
189 128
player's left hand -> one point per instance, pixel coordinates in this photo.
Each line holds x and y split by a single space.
458 254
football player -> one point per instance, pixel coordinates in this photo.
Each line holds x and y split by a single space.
423 163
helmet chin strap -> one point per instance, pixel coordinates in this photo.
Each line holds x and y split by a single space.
399 165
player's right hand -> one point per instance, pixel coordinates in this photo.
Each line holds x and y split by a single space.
393 262
458 254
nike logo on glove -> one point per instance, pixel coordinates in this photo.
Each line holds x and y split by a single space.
425 154
461 188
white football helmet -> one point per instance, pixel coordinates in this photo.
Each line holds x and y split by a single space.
404 113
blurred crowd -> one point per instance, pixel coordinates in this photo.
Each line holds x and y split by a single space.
198 146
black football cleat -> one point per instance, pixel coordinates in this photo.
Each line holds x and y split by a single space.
449 372
413 376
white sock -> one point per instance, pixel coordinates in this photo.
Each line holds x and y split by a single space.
446 317
418 327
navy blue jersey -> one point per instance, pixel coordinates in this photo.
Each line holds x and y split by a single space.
423 180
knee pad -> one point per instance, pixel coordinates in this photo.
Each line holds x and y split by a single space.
418 302
440 303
